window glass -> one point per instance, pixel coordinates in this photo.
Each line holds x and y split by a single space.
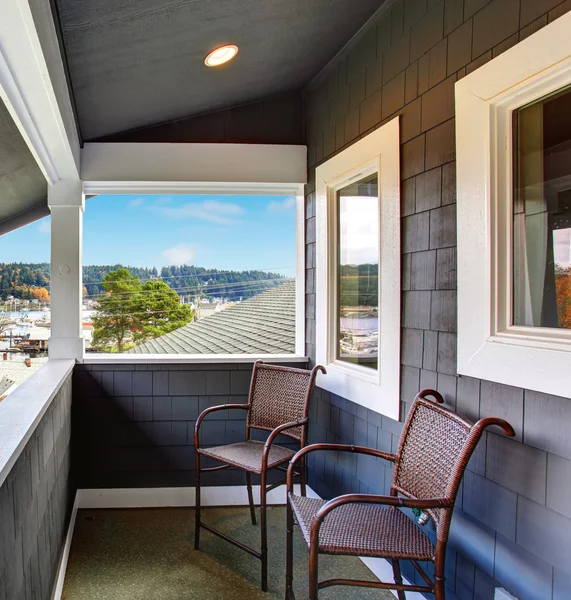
190 274
358 273
542 212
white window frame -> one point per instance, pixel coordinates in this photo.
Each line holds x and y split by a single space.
252 169
489 346
378 389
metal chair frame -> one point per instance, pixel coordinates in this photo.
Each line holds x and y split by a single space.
300 434
433 506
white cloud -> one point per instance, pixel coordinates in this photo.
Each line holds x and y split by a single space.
213 211
135 202
178 255
359 230
282 205
45 226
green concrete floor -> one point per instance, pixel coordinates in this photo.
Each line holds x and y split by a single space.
147 554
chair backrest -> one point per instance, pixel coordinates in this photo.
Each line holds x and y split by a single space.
280 395
434 449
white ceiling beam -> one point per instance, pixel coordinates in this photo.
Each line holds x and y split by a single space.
27 89
233 167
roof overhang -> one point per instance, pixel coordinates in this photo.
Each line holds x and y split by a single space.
34 91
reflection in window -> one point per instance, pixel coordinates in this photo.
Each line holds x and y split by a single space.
542 212
358 272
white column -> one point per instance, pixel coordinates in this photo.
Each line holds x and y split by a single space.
66 202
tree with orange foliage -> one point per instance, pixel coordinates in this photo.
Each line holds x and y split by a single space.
563 291
41 294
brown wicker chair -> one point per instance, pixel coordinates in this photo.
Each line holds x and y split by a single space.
433 452
278 402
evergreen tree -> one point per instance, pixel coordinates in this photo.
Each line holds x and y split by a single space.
115 318
130 311
159 311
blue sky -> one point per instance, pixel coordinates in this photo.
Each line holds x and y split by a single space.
222 232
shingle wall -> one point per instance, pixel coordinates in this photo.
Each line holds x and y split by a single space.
35 504
133 425
513 517
273 121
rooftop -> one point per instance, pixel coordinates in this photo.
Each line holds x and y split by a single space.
264 324
14 372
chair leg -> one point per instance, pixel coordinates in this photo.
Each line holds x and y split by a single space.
439 593
264 533
313 572
302 477
289 553
197 507
398 578
251 497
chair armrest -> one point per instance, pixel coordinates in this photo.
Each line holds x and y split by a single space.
275 432
398 501
212 409
334 448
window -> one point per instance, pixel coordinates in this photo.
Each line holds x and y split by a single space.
513 133
358 271
191 274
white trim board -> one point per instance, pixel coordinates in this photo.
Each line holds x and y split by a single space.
231 495
234 164
194 359
379 389
64 558
28 92
383 570
185 497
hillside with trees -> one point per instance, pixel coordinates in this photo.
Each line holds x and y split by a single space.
359 285
26 281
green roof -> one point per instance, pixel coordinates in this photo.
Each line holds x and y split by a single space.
264 324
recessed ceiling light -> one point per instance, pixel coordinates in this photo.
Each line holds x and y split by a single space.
221 55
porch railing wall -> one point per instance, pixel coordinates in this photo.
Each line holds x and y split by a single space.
36 498
133 424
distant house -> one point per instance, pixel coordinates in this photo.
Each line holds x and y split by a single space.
264 324
36 339
207 309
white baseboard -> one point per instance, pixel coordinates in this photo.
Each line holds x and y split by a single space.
62 567
234 495
185 497
383 570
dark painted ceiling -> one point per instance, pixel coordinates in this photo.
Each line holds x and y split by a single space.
23 188
136 63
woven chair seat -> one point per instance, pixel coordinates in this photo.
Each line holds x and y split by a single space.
363 530
248 455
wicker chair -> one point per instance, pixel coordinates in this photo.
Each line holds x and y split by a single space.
278 402
433 452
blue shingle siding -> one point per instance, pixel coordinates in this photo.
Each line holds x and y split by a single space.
513 522
147 440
